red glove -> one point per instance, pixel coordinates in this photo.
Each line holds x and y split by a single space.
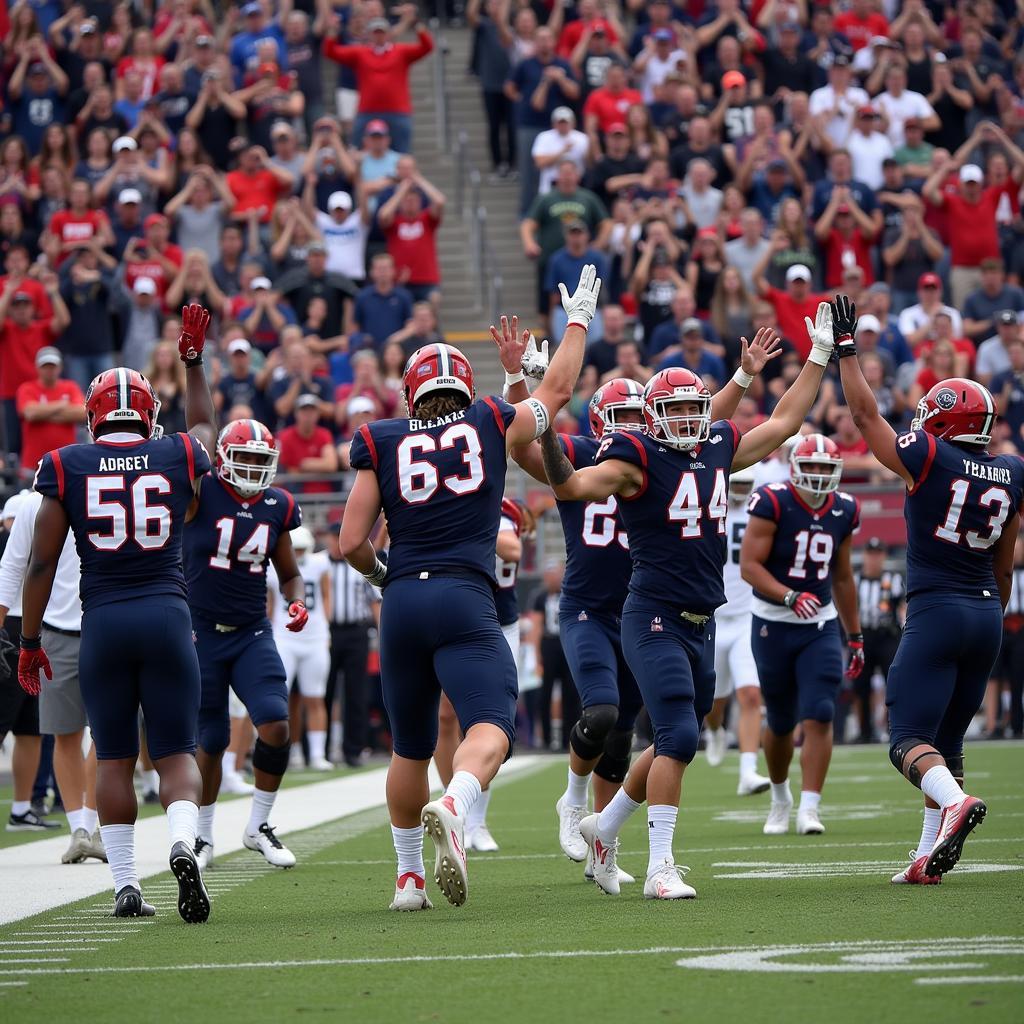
804 604
30 661
299 616
855 642
194 321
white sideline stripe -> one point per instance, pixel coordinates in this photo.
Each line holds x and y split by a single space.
45 884
972 979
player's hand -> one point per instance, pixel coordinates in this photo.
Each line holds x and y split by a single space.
844 325
581 306
194 321
855 644
32 660
804 604
298 615
820 333
756 354
511 343
535 358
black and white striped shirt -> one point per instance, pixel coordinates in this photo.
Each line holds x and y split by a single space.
351 595
878 599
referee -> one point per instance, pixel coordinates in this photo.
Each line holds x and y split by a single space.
880 595
355 611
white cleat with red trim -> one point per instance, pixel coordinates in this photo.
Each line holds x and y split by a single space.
956 824
411 893
913 873
602 856
666 883
446 830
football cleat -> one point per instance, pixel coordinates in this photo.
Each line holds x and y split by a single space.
129 903
625 878
751 785
777 823
193 901
573 845
320 764
666 883
273 850
808 823
446 830
233 782
605 870
29 822
410 893
204 853
716 742
78 849
956 824
481 840
913 873
96 847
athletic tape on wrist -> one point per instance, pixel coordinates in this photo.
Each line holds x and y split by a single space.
742 378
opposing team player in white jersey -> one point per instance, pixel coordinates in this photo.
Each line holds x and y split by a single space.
307 661
735 668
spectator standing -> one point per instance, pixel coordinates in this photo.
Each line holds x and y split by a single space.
263 314
382 307
609 105
344 230
565 266
836 103
50 408
744 253
199 211
562 141
257 26
909 249
793 304
492 42
88 341
307 449
846 233
214 114
74 228
868 148
297 377
257 184
1008 390
994 353
692 354
916 322
410 228
154 255
36 89
138 308
995 296
239 386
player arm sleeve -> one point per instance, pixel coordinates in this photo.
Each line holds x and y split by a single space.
293 512
625 447
16 555
49 479
362 453
763 504
916 450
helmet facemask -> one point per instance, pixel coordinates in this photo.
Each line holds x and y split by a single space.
248 468
818 473
684 431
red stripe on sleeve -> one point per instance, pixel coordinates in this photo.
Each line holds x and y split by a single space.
498 418
291 506
927 467
58 468
190 456
775 505
570 448
736 435
368 438
638 444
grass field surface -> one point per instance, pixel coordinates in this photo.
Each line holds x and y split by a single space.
785 928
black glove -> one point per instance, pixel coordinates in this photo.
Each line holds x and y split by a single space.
844 326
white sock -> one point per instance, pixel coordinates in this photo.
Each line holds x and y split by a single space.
477 815
576 790
205 827
781 793
90 819
20 806
317 739
616 814
929 830
939 784
661 821
262 805
748 764
151 780
228 761
183 822
75 820
119 842
465 790
409 847
809 801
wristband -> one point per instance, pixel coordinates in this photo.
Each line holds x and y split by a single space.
855 638
845 346
576 323
742 378
790 599
375 577
32 643
198 361
514 378
819 355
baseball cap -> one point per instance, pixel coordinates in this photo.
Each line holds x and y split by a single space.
664 35
306 401
252 8
379 25
1006 316
339 201
874 544
972 172
268 67
144 286
87 28
879 288
37 67
840 60
843 208
562 114
360 404
869 322
49 356
912 122
618 128
124 142
378 127
733 80
260 284
21 297
691 324
281 128
153 219
798 272
204 40
939 58
129 195
790 26
866 111
575 224
599 27
777 165
929 280
239 345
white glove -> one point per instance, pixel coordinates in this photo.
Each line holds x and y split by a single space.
535 358
581 306
820 333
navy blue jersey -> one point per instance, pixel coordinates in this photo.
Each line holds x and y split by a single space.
807 540
227 545
126 502
676 521
597 561
506 603
441 483
955 513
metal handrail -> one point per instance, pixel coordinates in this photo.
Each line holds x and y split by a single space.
441 82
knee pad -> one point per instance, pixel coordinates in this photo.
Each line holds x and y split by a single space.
590 732
272 760
214 731
898 754
614 761
955 765
822 710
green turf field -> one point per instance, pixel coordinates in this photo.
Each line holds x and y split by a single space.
535 943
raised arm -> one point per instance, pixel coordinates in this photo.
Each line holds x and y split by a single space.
200 415
753 357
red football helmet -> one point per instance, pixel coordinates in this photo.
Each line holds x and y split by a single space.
815 465
122 395
510 510
671 386
436 368
246 457
957 409
610 400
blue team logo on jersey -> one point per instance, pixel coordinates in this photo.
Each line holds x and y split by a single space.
945 399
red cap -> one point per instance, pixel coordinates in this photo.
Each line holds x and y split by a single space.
377 127
733 80
268 67
843 208
600 25
618 128
708 232
154 218
929 280
868 110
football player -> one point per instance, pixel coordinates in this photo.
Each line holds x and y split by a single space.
962 521
439 477
673 478
125 496
307 657
735 668
237 522
796 556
